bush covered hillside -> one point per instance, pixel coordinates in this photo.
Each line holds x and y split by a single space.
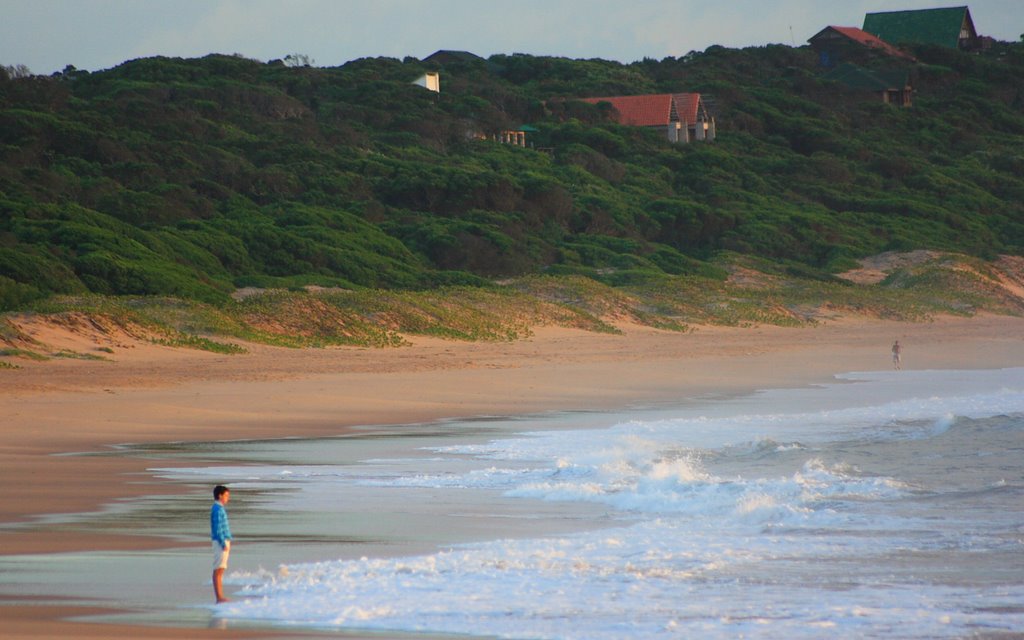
191 178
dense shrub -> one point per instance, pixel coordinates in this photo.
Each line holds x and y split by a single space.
191 177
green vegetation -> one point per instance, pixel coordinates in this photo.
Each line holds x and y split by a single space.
757 291
75 355
201 343
150 192
21 353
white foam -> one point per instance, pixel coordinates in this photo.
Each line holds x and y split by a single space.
798 551
654 580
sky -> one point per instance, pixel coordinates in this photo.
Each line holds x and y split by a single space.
48 35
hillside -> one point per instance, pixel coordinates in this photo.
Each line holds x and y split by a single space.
194 178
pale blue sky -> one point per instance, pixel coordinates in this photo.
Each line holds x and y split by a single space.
47 35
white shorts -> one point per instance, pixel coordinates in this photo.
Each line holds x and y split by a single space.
220 556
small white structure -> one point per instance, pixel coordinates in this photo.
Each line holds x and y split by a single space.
511 136
430 81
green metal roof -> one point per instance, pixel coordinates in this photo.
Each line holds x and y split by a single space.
924 26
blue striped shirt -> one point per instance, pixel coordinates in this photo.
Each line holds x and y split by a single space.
220 530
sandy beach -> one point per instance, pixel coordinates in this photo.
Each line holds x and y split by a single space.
143 393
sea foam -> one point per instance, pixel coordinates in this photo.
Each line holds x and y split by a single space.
758 517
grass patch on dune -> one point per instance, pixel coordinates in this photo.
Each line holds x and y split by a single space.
161 320
76 355
22 353
468 313
755 294
382 317
957 287
304 319
203 344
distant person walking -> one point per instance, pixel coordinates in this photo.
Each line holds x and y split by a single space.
220 535
897 351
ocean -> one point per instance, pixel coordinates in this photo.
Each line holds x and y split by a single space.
880 505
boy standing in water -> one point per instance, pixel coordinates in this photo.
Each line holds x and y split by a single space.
220 534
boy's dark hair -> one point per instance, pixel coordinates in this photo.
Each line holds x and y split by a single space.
219 490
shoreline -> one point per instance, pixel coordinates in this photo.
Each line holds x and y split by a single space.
153 394
61 407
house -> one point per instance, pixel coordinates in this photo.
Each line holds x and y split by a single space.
442 57
950 27
682 117
890 86
847 44
430 80
515 137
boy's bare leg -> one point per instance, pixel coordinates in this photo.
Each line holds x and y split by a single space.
218 585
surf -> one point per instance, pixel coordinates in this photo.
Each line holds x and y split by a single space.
847 509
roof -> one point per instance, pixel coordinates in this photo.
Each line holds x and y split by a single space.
861 37
653 110
923 26
860 78
687 105
640 111
442 55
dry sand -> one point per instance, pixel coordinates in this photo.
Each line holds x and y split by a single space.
147 393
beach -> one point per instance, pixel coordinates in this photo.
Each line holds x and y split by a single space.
144 394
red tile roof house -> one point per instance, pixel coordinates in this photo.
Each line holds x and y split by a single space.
682 116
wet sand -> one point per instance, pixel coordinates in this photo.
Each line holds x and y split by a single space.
149 394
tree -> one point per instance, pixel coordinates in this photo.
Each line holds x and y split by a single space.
18 71
298 60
